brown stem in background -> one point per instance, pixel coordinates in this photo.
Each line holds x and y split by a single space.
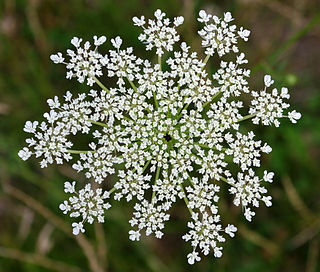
190 26
295 200
44 242
101 244
37 259
313 256
25 226
35 26
298 204
305 235
59 223
283 9
259 240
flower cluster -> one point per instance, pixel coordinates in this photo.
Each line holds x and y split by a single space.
159 33
218 36
267 108
86 203
163 133
248 190
85 62
150 217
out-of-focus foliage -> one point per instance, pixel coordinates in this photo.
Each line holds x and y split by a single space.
284 42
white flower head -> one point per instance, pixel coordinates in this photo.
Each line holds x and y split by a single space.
84 63
294 116
76 42
134 235
57 58
159 33
99 41
24 153
69 187
77 228
218 36
204 17
51 116
268 81
116 42
249 214
165 131
231 229
193 257
159 14
65 207
244 33
268 176
228 17
178 21
53 103
139 21
88 204
30 127
266 149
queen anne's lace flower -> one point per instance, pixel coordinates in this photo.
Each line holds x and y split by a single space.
149 216
248 190
87 204
218 36
246 151
159 33
163 132
267 107
84 62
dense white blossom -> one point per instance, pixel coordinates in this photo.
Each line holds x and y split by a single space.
249 191
268 107
219 36
159 33
205 234
149 216
84 62
131 185
88 204
163 132
203 195
246 152
232 79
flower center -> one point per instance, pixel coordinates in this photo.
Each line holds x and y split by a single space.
167 137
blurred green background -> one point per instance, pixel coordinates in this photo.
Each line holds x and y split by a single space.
35 236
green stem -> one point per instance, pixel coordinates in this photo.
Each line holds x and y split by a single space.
98 123
207 103
155 100
206 59
224 179
80 151
154 94
135 89
185 107
145 167
128 118
132 85
247 117
101 85
159 62
155 181
112 190
190 179
272 60
186 200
